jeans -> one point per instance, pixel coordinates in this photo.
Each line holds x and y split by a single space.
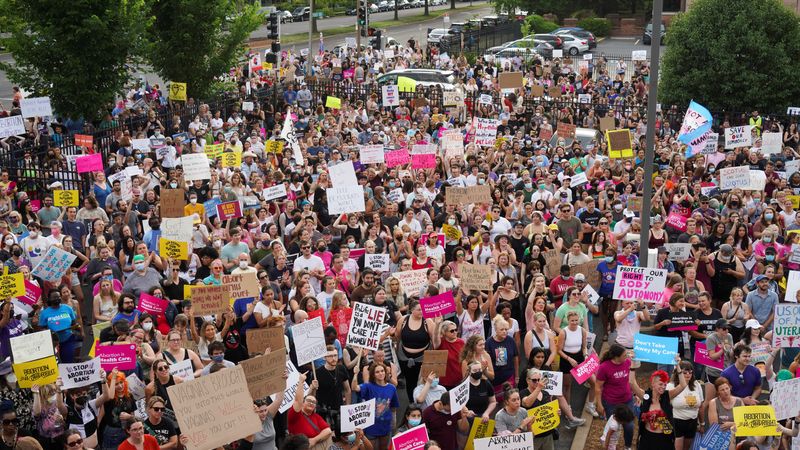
627 428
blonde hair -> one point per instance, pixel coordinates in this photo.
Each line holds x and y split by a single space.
499 320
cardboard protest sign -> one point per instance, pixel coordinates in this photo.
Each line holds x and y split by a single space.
475 277
510 80
359 415
634 283
80 374
434 361
231 418
479 430
243 285
734 177
755 421
521 441
785 398
620 144
585 369
40 371
259 339
452 98
172 203
655 349
65 197
565 130
545 417
554 91
412 281
365 326
309 341
265 374
678 252
459 396
607 123
207 300
455 195
438 305
413 439
29 347
123 356
173 249
786 327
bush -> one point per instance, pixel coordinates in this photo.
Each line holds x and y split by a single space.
584 14
600 27
537 24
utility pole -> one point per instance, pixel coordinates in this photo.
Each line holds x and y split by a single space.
649 151
310 27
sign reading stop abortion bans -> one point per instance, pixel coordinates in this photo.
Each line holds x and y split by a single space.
634 283
360 415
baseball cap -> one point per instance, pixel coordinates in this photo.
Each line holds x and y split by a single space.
726 249
663 249
752 323
760 277
722 323
580 277
138 258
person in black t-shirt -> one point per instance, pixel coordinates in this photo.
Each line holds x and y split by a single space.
333 385
662 321
481 399
160 427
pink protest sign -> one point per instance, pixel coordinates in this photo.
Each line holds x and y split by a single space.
585 369
123 357
676 221
357 252
701 356
89 163
32 294
397 157
229 210
348 73
423 239
152 305
36 205
424 161
413 439
438 305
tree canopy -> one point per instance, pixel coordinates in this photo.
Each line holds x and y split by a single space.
733 55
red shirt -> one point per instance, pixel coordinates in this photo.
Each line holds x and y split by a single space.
441 427
453 376
297 424
150 443
558 287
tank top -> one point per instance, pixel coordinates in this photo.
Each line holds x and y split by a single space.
418 339
574 340
543 343
471 327
161 390
657 242
738 314
724 414
723 280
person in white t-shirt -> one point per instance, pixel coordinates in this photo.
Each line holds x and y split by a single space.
613 429
312 263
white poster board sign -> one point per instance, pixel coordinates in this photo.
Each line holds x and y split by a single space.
365 326
634 283
734 177
195 166
738 137
36 107
346 199
80 374
309 340
30 347
12 126
359 415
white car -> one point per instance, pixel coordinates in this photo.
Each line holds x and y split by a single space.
507 55
421 77
574 45
435 36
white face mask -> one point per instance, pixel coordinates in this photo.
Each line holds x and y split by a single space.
243 264
11 241
147 326
193 201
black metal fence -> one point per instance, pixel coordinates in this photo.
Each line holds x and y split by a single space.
477 41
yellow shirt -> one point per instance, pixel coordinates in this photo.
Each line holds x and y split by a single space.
197 208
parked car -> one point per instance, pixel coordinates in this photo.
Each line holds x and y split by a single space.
507 55
351 12
437 34
648 34
285 16
373 8
301 13
573 45
519 43
579 33
417 3
421 77
403 4
551 39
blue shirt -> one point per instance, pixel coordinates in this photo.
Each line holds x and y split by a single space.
607 278
762 306
385 400
240 308
742 384
58 320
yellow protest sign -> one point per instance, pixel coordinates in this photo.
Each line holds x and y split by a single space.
12 285
451 232
755 421
94 347
214 151
173 249
795 201
479 430
177 91
405 84
65 198
619 143
545 417
40 371
232 159
268 66
187 292
274 146
333 102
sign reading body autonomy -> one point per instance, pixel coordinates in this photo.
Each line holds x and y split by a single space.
634 283
365 326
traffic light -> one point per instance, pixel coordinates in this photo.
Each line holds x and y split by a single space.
361 14
271 58
275 47
376 43
273 27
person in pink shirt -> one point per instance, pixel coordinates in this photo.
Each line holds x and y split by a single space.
613 386
344 280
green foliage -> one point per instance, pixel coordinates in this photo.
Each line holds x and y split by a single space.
584 14
735 55
600 27
75 52
537 24
195 41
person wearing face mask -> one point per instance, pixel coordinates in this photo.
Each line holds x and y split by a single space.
216 351
428 390
34 245
143 277
83 411
726 271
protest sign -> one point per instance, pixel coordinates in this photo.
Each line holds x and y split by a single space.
31 295
701 356
379 262
607 123
231 418
177 229
521 441
771 143
792 284
565 130
713 439
28 347
438 305
229 210
412 281
207 300
681 321
183 369
371 154
40 371
35 107
485 99
152 305
758 181
755 421
309 340
545 417
434 361
333 102
585 369
455 195
136 386
232 159
485 131
343 174
291 387
214 151
479 430
785 398
620 144
79 374
760 352
54 264
634 283
475 277
390 95
173 249
346 199
459 396
259 339
177 91
786 329
243 285
678 252
676 221
554 382
738 137
274 146
452 98
89 163
265 374
195 166
510 80
655 349
12 126
734 177
413 439
480 194
172 203
639 55
423 161
122 356
274 192
397 157
11 285
365 326
359 415
65 197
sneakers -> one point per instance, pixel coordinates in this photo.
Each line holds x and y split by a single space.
591 409
575 422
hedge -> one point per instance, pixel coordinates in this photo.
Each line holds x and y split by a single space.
600 27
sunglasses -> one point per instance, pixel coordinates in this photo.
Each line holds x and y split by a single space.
164 368
75 443
158 408
14 421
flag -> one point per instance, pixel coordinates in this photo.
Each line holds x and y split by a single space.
255 62
696 123
695 146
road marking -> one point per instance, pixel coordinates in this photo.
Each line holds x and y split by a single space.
637 42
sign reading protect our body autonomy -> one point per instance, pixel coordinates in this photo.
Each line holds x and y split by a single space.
634 283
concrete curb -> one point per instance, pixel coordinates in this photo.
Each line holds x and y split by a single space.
582 432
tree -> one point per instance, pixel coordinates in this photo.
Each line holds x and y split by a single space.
75 52
734 55
195 41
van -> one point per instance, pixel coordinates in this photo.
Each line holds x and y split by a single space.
422 77
584 135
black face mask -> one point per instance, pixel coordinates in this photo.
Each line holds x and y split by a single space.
16 252
476 375
82 400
